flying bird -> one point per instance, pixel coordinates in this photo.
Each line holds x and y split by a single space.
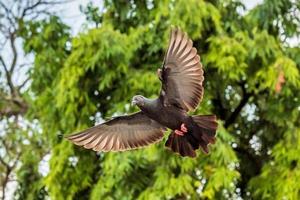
182 77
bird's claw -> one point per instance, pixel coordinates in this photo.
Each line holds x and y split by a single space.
182 130
177 132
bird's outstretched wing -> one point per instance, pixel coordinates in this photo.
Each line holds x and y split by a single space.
120 133
182 73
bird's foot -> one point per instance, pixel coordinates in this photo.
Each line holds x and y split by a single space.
183 130
177 132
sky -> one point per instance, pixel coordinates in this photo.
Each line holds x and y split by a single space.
71 15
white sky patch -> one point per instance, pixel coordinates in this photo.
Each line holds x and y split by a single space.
73 160
251 4
71 15
255 144
249 112
44 165
9 191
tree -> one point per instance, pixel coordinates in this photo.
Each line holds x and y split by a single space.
19 137
251 83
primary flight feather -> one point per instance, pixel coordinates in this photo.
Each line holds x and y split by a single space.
182 77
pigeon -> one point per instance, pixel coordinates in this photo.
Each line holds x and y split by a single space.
181 77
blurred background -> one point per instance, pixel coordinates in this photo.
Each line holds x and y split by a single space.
67 65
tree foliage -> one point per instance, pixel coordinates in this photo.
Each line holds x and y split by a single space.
251 83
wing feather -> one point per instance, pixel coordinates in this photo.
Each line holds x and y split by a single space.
182 73
119 134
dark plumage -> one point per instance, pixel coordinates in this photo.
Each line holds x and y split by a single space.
182 90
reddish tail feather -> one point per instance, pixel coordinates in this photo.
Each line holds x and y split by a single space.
201 135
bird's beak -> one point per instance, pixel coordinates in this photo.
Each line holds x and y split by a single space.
133 102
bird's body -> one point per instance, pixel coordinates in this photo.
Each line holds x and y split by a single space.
155 110
182 77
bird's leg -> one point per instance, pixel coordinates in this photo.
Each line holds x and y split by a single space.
182 130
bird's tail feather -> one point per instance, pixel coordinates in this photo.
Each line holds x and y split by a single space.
207 127
179 144
202 135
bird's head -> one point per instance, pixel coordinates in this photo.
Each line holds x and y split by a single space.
138 100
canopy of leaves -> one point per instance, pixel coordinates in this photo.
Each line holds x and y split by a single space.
77 81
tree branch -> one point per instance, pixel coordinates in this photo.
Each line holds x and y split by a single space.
13 107
30 8
9 169
3 162
219 104
15 54
7 12
39 3
7 75
3 64
24 83
231 119
5 180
